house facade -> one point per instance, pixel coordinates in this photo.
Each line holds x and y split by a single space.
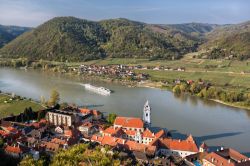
58 118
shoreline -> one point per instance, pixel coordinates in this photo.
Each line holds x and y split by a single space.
152 85
143 84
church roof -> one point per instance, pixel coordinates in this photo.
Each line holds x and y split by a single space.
129 122
190 138
147 133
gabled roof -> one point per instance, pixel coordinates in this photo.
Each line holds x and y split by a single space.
190 138
87 124
85 111
217 159
51 146
4 133
160 134
182 145
96 113
13 149
11 130
112 131
129 122
203 146
59 141
16 149
232 154
147 133
68 133
130 132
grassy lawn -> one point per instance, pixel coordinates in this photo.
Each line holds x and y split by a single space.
218 72
15 106
219 79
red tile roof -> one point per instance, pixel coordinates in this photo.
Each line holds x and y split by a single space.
112 131
85 111
147 133
50 146
203 146
95 112
129 122
13 149
130 145
96 138
3 133
130 132
43 121
58 141
232 154
190 138
182 145
12 130
87 124
68 133
160 134
111 141
217 160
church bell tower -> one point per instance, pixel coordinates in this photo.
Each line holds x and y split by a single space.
146 114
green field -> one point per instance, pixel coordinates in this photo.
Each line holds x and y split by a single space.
15 106
218 72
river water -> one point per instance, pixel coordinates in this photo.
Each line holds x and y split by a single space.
207 121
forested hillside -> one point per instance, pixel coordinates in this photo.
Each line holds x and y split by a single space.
73 39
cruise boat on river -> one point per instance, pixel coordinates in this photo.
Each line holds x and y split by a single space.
96 89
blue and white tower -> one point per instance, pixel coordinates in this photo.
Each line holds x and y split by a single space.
146 114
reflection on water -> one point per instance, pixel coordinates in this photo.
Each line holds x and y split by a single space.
206 120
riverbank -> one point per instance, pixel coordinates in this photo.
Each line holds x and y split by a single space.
225 75
159 85
231 104
15 105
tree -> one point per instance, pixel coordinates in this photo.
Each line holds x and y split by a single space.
195 88
111 118
1 142
183 87
29 161
43 100
41 114
54 98
177 89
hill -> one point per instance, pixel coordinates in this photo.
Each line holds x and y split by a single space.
230 41
73 39
8 33
62 38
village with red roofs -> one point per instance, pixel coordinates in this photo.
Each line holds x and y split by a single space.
61 128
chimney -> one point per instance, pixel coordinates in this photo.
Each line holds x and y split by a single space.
229 161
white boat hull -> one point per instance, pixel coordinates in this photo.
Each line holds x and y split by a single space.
99 90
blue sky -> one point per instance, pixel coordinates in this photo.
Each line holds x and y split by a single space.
35 12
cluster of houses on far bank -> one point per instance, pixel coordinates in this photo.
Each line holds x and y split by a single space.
113 71
72 125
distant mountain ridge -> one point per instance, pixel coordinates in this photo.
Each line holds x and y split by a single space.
229 41
74 39
8 33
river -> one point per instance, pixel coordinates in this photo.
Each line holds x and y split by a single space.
208 121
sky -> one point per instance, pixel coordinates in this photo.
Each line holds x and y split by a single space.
34 12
